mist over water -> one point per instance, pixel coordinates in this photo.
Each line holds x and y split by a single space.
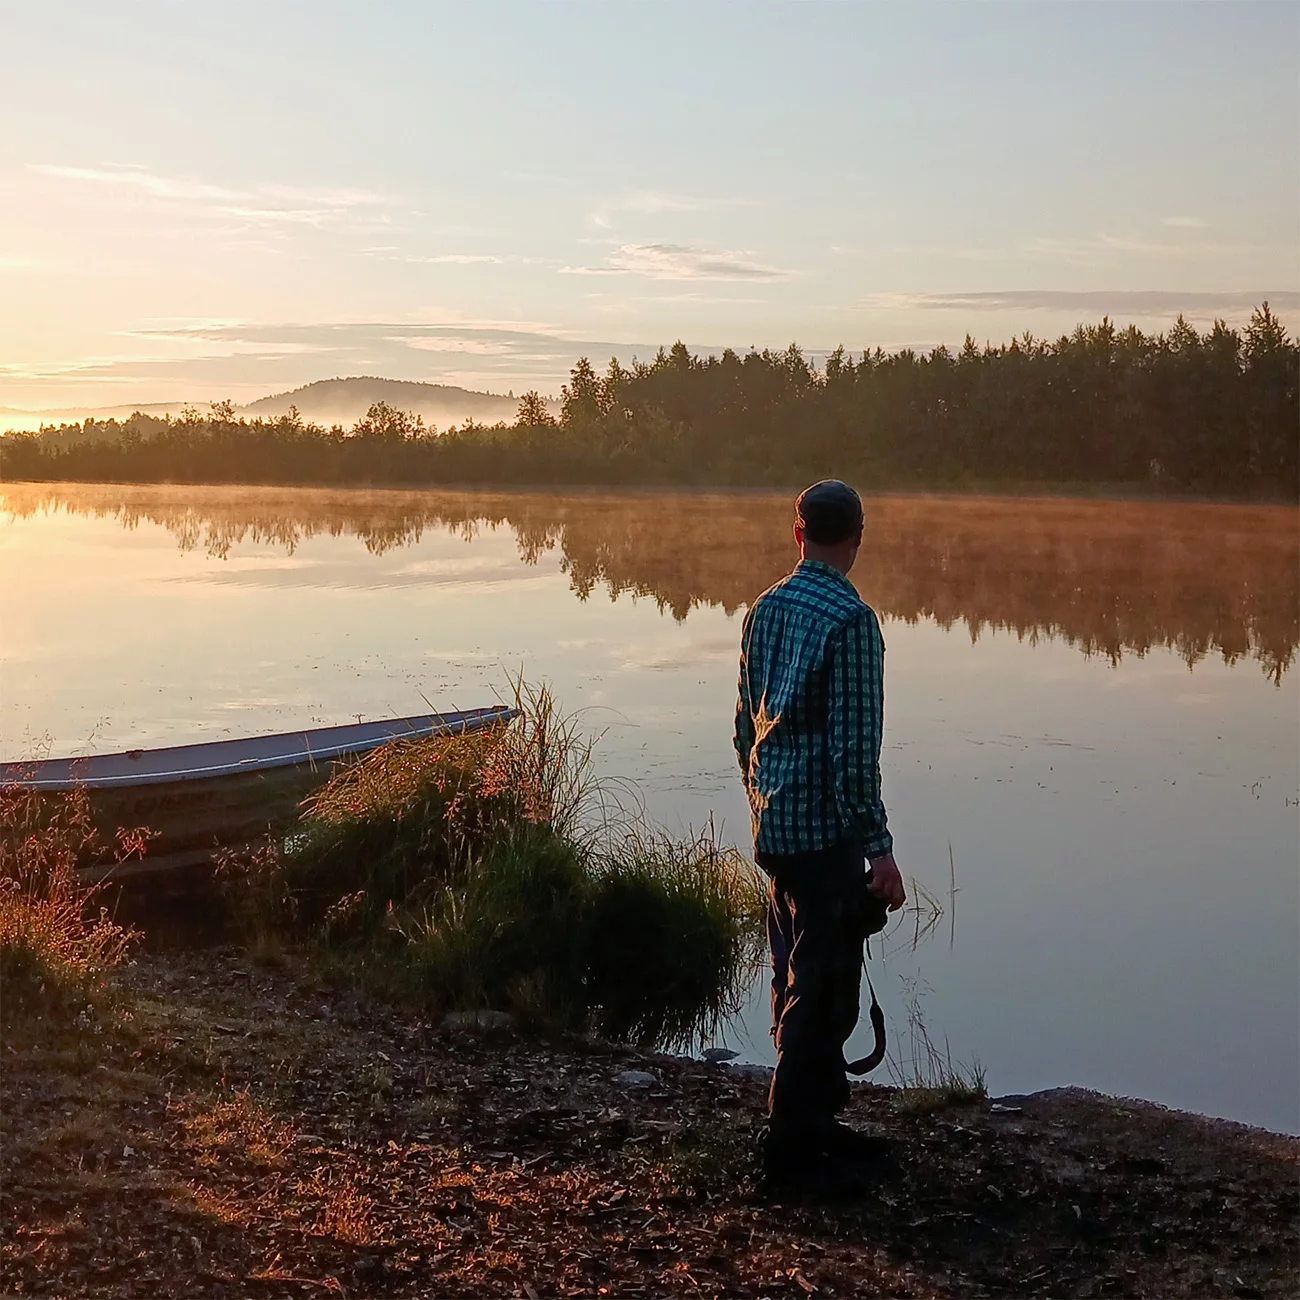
1093 703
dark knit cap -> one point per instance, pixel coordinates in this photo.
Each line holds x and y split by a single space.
829 512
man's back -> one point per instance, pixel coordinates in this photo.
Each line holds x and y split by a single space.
808 722
808 738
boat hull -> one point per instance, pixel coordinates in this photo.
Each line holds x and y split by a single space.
197 800
190 822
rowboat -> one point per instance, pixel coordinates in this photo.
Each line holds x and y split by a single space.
198 799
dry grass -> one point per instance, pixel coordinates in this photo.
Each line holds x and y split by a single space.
343 1210
238 1124
56 947
431 1109
410 816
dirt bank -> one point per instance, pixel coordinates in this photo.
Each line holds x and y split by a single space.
252 1131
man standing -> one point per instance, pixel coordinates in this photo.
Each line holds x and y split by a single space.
808 733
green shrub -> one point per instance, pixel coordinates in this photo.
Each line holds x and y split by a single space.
672 933
386 827
469 869
505 925
653 945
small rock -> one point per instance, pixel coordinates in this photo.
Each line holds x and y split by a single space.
455 1020
636 1078
716 1055
750 1071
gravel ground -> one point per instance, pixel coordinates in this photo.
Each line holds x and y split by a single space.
239 1130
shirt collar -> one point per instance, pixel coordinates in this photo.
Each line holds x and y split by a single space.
818 567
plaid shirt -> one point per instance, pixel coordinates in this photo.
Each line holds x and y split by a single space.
809 718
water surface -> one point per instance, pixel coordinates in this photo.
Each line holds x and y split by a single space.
1093 704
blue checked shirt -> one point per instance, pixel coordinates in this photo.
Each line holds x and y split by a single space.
809 718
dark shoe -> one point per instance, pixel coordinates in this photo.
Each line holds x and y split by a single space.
785 1159
834 1179
844 1143
781 1156
797 1167
823 1179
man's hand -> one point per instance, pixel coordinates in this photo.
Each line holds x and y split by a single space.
887 881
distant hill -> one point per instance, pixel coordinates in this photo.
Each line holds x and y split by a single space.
344 401
327 401
14 418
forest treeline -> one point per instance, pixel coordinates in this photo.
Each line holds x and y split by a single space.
1212 413
1112 578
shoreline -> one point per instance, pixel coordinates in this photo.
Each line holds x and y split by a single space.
256 1129
1116 493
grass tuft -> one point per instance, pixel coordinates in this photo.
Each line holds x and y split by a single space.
501 931
673 931
926 1076
711 1160
56 946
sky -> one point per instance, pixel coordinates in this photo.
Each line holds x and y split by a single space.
201 200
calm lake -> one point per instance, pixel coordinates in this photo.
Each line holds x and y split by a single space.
1093 705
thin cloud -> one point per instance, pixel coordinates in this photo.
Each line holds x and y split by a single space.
55 369
681 262
444 318
392 253
474 347
1184 223
457 259
215 357
950 252
1141 302
1103 247
692 296
653 202
330 198
160 187
625 307
262 205
337 333
283 216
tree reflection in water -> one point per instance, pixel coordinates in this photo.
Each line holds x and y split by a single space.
1108 577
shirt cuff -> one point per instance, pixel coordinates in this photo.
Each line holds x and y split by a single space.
876 846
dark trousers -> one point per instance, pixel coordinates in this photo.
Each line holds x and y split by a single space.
816 946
